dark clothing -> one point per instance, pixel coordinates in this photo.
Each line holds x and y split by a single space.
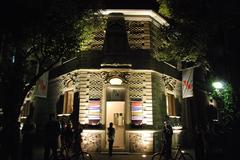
77 138
167 140
67 136
110 146
28 131
10 142
199 147
52 132
111 136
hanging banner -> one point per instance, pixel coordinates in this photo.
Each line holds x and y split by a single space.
187 83
42 86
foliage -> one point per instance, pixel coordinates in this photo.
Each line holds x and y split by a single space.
33 39
164 9
188 34
89 29
224 99
56 30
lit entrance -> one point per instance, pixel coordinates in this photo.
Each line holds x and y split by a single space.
115 112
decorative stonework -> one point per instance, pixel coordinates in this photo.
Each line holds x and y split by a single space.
141 142
136 86
71 76
138 34
169 82
91 142
95 85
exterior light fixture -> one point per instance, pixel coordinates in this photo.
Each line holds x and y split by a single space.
217 85
115 81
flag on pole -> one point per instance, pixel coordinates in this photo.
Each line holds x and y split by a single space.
42 86
187 82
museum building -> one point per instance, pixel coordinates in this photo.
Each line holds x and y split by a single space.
118 80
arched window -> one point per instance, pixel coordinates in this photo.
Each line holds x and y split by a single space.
68 98
171 103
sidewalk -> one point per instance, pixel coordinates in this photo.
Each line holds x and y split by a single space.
39 152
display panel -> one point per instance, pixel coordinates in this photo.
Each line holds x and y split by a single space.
94 112
137 112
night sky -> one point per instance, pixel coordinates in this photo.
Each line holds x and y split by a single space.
224 57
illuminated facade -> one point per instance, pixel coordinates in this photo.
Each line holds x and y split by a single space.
118 81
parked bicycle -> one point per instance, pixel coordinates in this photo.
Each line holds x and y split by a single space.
78 153
81 156
62 153
179 155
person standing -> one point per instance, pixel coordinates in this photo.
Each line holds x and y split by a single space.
111 136
77 137
28 131
52 132
68 135
167 139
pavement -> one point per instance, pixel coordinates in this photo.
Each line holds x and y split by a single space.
38 153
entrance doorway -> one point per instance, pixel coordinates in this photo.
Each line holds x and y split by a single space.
115 114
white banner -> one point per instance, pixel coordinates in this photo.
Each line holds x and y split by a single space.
42 86
187 83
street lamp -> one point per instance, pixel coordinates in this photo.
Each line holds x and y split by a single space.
217 85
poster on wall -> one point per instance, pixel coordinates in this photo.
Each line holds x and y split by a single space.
42 86
137 112
187 83
94 111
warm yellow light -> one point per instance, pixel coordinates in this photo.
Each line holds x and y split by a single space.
115 81
177 127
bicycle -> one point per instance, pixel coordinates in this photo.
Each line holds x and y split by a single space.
62 153
179 155
81 155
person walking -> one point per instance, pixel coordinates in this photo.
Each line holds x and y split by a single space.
111 136
52 132
167 139
28 131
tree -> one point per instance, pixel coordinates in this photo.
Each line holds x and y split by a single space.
191 31
197 34
224 97
34 38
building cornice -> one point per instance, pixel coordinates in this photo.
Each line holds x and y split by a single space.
136 13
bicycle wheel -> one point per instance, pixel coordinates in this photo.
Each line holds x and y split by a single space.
185 156
60 156
81 156
157 156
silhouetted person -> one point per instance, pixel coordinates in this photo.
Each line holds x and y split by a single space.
77 138
28 131
52 132
67 135
111 136
167 139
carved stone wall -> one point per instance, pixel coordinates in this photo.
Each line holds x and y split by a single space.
140 87
141 142
138 34
91 141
